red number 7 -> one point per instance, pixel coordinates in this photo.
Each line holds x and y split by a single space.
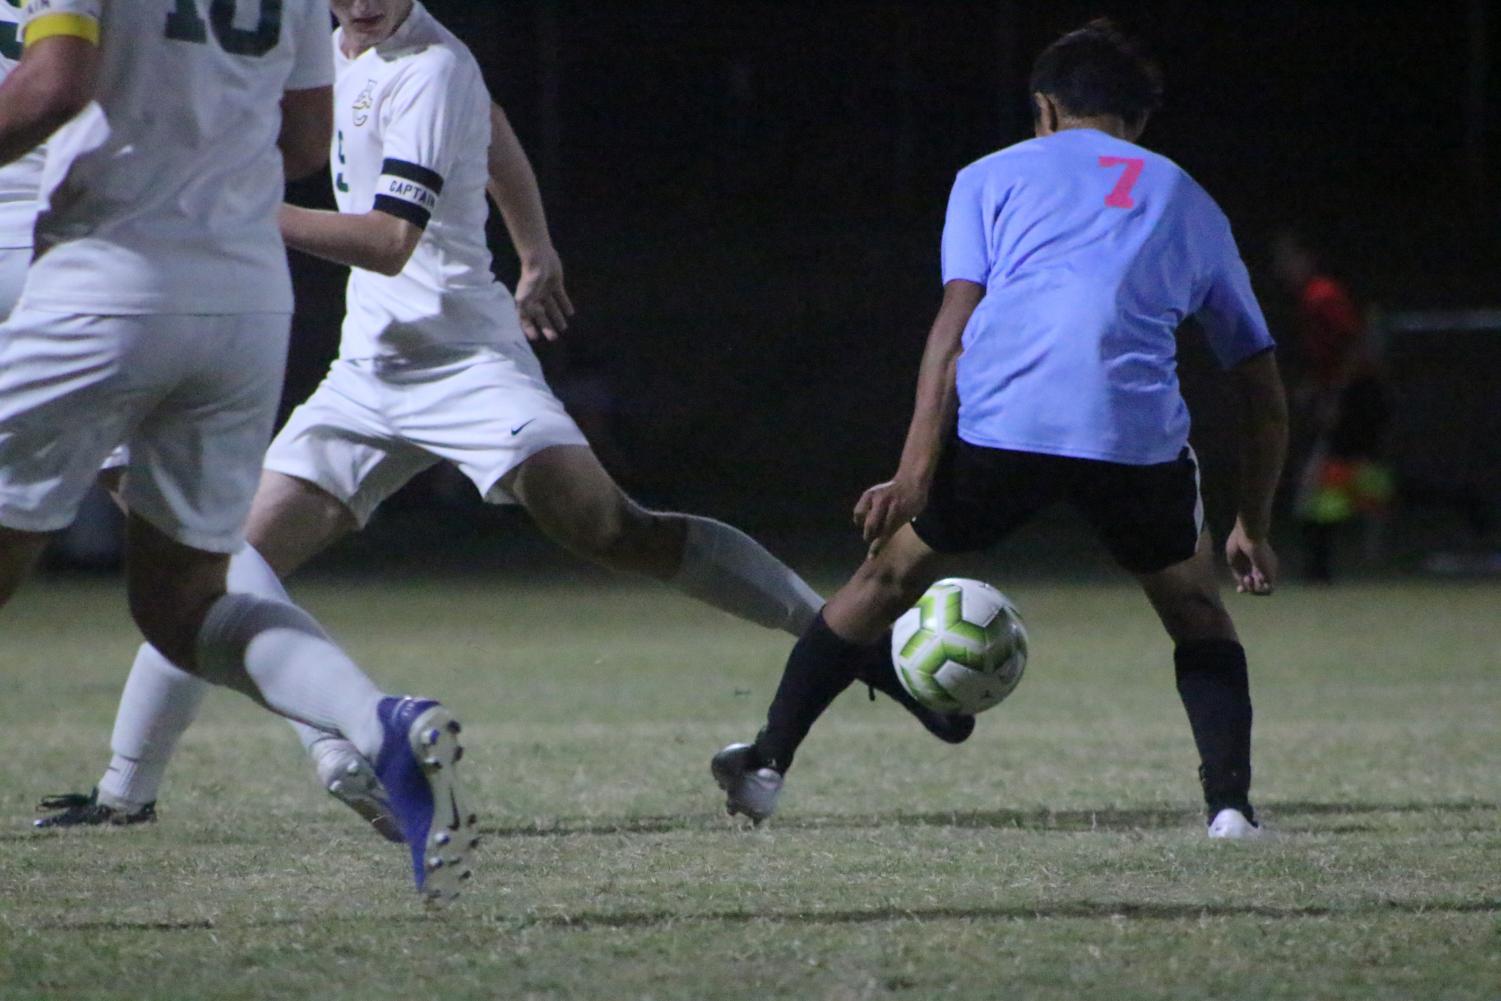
1120 195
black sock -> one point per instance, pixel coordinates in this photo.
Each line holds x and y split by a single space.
873 667
821 665
1216 692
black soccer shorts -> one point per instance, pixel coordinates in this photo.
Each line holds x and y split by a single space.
1149 517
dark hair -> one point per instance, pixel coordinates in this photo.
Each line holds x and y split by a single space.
1099 70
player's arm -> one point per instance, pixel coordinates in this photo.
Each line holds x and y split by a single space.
540 296
1262 454
53 82
375 241
886 507
1237 333
307 129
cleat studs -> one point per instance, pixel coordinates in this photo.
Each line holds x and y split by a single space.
353 768
431 737
473 843
473 819
453 727
466 874
458 755
442 838
432 763
435 863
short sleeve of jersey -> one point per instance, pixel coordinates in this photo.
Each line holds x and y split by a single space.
1231 316
966 231
43 12
424 119
314 61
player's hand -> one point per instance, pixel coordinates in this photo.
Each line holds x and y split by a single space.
541 298
888 506
1253 562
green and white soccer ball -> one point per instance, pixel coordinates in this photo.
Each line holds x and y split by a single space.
962 648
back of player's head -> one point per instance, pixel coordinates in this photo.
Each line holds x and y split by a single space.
1099 70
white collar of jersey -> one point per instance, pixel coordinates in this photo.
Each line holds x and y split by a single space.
399 40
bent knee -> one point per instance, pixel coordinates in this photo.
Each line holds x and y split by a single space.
1197 615
170 620
606 533
893 588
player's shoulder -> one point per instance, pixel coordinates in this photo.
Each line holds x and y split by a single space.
425 48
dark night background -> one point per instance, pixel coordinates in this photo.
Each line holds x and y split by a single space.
748 197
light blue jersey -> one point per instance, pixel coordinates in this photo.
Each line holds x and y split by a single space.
1092 251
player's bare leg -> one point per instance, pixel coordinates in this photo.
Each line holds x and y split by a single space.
19 552
846 643
292 520
579 506
1210 665
277 654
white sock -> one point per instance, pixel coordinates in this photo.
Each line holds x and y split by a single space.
159 702
277 654
724 567
249 573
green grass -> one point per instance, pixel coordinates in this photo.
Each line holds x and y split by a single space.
1057 855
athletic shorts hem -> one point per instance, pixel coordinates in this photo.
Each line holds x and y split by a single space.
494 493
931 534
309 473
32 521
222 543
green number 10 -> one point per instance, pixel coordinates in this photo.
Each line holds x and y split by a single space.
185 24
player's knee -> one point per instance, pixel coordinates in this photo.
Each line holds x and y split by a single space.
604 533
170 612
1197 615
889 586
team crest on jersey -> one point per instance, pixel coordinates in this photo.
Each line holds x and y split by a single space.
364 103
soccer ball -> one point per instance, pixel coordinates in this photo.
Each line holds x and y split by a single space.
961 649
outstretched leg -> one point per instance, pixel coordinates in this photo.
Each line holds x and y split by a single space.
576 503
836 651
278 655
292 520
1212 679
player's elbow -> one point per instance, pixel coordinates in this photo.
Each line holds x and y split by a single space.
395 244
307 128
302 162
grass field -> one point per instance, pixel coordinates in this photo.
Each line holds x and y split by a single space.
1059 854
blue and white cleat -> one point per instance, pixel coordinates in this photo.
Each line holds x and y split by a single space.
416 767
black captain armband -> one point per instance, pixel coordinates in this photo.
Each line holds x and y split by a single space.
408 191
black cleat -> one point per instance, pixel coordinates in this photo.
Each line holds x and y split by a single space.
74 809
951 728
876 670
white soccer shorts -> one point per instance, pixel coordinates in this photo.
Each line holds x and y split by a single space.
194 398
372 425
13 264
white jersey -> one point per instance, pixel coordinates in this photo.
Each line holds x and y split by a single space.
412 138
161 197
19 181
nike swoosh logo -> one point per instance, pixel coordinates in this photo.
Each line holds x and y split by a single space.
454 805
520 427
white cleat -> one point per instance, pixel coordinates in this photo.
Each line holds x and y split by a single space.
350 779
750 790
1232 825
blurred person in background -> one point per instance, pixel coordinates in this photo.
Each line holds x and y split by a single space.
1341 410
